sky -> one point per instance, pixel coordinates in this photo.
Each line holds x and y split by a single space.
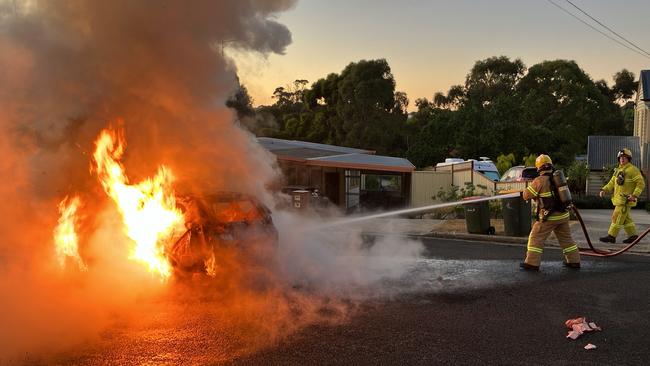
431 45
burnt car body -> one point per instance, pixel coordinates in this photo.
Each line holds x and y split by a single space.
220 223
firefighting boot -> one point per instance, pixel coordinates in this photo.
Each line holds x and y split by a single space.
608 239
528 267
630 239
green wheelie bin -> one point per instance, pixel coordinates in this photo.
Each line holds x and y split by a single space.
477 217
517 216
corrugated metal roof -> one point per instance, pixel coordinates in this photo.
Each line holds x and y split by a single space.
335 156
303 153
368 162
602 150
644 80
273 144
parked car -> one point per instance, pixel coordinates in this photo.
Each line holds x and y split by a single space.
224 220
519 173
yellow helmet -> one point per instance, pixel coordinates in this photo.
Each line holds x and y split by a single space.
542 161
624 152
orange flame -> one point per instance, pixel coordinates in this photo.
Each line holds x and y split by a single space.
65 234
148 208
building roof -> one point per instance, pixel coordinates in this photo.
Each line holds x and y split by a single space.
644 85
315 154
273 144
365 161
602 150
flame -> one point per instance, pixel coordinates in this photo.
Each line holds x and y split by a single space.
66 239
148 208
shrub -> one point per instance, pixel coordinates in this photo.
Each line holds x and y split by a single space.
505 162
577 174
456 193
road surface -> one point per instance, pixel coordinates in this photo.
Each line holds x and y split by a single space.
461 303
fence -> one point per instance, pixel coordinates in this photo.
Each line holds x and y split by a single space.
425 185
464 172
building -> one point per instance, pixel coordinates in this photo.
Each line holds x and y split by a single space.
642 116
601 158
353 179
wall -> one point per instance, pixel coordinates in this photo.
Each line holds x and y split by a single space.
425 184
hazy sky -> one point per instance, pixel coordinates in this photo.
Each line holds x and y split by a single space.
431 45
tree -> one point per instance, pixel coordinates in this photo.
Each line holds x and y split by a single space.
401 102
505 162
561 106
529 160
624 85
489 109
241 102
492 77
435 140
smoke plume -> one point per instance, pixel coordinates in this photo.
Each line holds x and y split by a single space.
72 68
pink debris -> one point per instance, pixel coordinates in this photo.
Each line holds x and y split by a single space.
579 326
573 335
590 346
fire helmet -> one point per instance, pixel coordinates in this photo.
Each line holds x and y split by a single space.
543 162
624 152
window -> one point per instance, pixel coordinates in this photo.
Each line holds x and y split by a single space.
352 184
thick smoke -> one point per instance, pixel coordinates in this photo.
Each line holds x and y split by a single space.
72 68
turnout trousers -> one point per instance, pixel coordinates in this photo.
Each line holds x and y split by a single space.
621 219
540 232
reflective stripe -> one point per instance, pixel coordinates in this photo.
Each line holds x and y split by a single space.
570 249
535 249
558 217
532 190
546 194
637 178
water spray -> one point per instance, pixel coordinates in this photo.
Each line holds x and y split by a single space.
591 251
413 210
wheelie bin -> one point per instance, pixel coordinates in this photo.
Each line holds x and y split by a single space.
477 217
517 216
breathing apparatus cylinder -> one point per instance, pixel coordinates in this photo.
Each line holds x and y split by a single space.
562 188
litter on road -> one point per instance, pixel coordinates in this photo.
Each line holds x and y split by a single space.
579 326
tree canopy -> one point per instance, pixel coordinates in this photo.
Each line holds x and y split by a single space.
502 108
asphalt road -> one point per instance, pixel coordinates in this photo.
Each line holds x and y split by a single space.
463 303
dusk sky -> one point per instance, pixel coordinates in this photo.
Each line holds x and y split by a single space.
431 45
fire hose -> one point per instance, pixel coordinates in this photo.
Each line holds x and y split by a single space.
592 251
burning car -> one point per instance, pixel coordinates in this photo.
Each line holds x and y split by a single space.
225 222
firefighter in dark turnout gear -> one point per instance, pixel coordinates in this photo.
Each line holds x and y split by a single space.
552 216
627 184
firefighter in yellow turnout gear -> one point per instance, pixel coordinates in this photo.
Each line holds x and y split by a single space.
627 184
552 216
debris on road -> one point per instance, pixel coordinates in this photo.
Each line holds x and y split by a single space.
579 326
590 346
